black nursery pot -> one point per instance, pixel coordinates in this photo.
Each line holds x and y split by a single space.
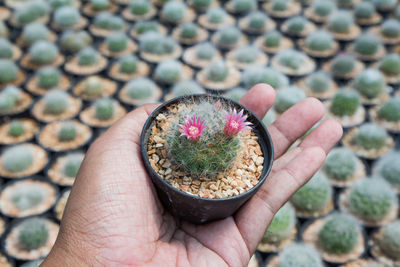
196 209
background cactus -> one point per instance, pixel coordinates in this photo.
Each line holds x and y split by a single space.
340 164
67 132
109 21
287 97
27 197
340 22
247 54
290 58
390 111
364 10
236 93
55 4
345 102
99 5
17 158
244 6
371 136
314 196
55 102
280 5
390 64
205 51
73 41
343 64
156 43
257 20
319 82
189 30
371 199
367 44
258 74
323 8
8 71
140 88
388 167
66 16
201 4
174 11
296 25
216 15
93 86
168 71
143 26
187 87
88 56
299 255
139 7
104 108
228 36
370 83
391 28
34 32
9 97
43 52
25 15
385 4
16 128
6 49
117 42
128 64
33 234
217 71
339 234
48 77
319 41
281 225
389 242
72 165
272 39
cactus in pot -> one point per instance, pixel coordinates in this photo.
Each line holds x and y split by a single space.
48 77
17 159
288 97
299 255
370 83
388 167
371 136
390 64
43 52
345 102
389 241
55 102
340 164
8 71
33 234
281 226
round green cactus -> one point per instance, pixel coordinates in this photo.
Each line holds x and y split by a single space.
28 197
144 26
128 64
93 86
228 36
247 54
43 52
364 10
139 7
339 234
340 22
169 71
388 167
16 128
367 44
109 21
291 58
340 164
390 111
280 5
33 234
370 83
201 4
8 71
272 39
257 20
371 136
55 102
244 6
9 97
217 71
40 7
73 41
216 15
390 64
319 41
385 4
48 77
174 11
25 15
117 42
17 159
281 226
371 199
205 51
55 4
72 165
156 43
319 82
253 75
104 108
187 87
323 8
345 3
140 88
288 97
236 93
6 49
3 30
389 241
391 28
99 5
345 102
299 255
296 25
67 132
34 32
66 16
343 64
314 196
189 30
88 56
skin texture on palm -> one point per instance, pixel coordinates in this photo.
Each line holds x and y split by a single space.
114 218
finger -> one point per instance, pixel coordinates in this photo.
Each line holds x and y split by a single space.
253 218
294 123
259 99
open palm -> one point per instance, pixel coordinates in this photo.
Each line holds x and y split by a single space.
114 218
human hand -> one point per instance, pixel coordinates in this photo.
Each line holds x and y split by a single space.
114 218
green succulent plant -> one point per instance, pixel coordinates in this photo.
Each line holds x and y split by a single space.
17 158
339 234
33 234
34 32
16 128
319 82
104 108
296 25
345 102
288 97
280 5
340 22
66 16
216 15
201 4
299 255
340 164
6 49
367 44
156 43
87 56
391 28
244 6
364 10
345 3
342 65
314 196
388 167
117 42
67 132
187 87
217 71
139 7
48 77
28 197
370 83
43 52
8 71
93 86
128 64
371 199
73 41
9 97
25 15
319 41
189 30
247 54
228 36
291 58
174 11
269 118
40 7
272 39
99 5
258 74
55 102
169 71
55 4
390 64
72 164
323 8
143 26
140 88
236 93
281 225
371 136
389 241
205 51
390 111
109 21
385 4
257 20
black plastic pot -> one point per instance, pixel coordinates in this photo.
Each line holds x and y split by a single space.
192 208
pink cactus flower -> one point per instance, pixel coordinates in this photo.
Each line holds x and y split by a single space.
193 128
235 122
